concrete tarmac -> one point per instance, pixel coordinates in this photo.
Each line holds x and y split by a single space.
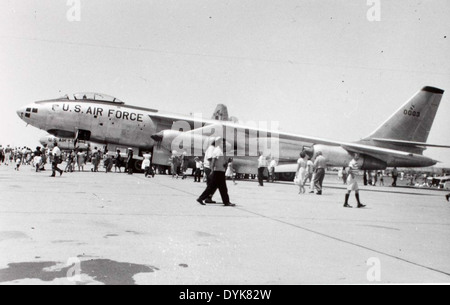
97 228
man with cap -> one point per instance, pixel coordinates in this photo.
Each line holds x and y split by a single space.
320 165
56 153
218 179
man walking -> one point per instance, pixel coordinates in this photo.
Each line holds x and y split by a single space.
56 153
208 169
320 166
218 179
394 177
352 184
262 165
130 161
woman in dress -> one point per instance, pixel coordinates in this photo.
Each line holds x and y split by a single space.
301 172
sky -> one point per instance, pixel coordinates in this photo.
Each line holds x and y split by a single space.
319 68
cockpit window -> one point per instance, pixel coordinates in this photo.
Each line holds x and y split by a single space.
35 110
97 97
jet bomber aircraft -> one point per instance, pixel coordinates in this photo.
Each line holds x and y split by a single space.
399 142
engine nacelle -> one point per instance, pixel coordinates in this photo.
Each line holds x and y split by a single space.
336 156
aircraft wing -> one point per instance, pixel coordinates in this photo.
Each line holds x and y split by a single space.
289 145
383 154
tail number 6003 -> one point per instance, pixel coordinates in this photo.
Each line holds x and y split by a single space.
412 113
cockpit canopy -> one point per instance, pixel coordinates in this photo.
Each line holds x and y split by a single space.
93 97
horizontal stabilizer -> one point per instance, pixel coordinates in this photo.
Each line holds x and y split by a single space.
410 143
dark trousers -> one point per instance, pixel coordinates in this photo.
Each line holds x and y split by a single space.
218 181
208 181
149 171
318 180
55 168
261 176
129 167
198 175
394 182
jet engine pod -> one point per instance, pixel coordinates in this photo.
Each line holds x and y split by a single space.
337 156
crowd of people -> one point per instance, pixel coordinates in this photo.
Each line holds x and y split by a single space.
214 169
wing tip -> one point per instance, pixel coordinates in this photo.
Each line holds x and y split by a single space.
433 90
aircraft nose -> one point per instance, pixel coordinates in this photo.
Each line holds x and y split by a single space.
21 112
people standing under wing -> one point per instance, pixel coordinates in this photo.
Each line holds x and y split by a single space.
394 177
198 170
208 171
320 165
262 165
447 197
146 164
37 158
129 168
56 153
218 179
352 183
301 172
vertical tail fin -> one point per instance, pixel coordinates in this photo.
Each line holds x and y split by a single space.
221 113
413 121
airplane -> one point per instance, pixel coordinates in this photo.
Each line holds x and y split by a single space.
399 142
65 144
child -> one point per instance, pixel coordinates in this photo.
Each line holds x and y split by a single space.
18 162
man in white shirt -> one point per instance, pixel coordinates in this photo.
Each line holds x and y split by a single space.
218 179
207 168
56 153
319 165
272 166
262 165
